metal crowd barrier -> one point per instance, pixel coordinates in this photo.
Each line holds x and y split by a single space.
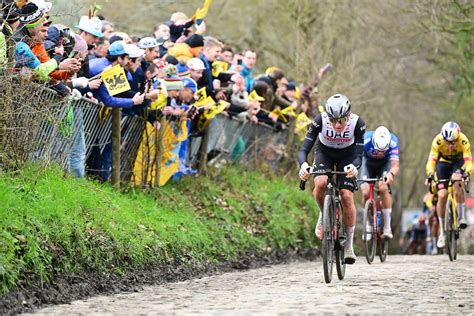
232 139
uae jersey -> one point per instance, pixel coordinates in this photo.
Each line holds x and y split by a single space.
349 141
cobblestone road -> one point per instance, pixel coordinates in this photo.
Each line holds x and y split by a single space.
401 285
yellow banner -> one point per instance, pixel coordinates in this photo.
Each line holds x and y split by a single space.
202 12
218 67
115 80
159 103
302 121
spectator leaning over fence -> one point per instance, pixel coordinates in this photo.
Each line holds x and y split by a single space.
212 49
32 20
273 80
249 60
10 21
118 55
150 47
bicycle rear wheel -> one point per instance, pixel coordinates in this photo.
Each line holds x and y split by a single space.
340 264
369 232
450 233
382 243
328 238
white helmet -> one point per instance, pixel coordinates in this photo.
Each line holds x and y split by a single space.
338 106
450 131
381 138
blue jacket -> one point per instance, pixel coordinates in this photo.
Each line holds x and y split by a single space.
102 94
248 76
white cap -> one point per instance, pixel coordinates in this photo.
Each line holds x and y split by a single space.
195 64
133 51
92 26
148 42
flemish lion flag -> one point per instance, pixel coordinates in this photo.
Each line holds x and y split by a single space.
115 80
218 67
216 109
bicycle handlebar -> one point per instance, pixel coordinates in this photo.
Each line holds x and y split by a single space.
466 185
326 172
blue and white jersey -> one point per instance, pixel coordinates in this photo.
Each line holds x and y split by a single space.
372 153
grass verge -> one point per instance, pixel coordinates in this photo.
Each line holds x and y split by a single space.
51 224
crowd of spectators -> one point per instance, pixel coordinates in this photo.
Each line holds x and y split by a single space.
176 71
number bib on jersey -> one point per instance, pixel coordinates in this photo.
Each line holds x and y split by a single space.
330 138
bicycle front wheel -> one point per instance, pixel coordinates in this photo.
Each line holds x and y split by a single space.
328 238
369 231
450 232
340 263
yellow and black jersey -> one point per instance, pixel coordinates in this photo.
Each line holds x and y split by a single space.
441 151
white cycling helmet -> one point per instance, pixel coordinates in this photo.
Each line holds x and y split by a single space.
450 131
381 138
338 106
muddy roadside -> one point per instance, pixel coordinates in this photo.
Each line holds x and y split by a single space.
62 289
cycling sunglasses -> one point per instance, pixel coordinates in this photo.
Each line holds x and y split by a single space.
341 120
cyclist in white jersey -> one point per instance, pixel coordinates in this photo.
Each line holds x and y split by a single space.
339 137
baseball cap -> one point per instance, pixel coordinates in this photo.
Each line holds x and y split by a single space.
134 51
92 26
117 48
189 83
195 64
148 42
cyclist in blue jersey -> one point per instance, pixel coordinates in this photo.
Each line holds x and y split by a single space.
380 159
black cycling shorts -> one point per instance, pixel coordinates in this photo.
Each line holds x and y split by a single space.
444 171
373 168
324 160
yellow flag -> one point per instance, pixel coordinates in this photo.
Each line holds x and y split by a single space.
159 103
218 67
216 109
202 12
115 80
202 99
290 110
302 121
279 114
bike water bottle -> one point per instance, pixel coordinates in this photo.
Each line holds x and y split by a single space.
379 218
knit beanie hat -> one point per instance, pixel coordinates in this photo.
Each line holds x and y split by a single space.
31 15
80 45
10 13
173 83
195 40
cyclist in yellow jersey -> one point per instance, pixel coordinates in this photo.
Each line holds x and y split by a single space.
451 156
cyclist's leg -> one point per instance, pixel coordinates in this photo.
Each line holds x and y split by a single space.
386 202
322 161
347 187
459 192
364 174
443 171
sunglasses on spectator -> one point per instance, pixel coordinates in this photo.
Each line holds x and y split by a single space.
341 120
134 60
